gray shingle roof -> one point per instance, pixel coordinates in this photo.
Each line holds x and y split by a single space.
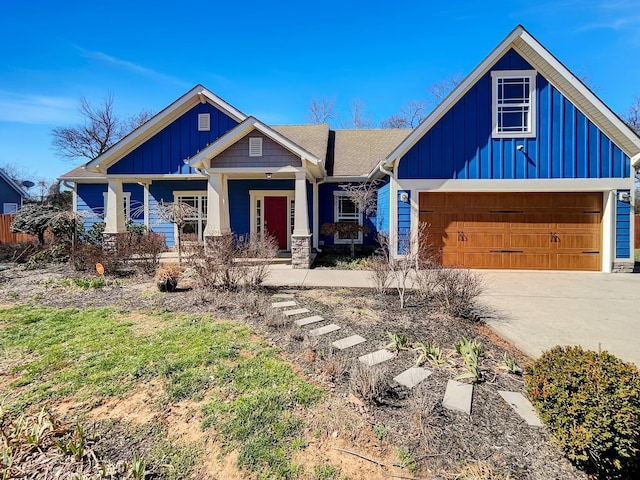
357 152
313 138
80 173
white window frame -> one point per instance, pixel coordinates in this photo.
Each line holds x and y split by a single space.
127 204
529 104
204 122
202 216
10 208
255 146
257 220
337 218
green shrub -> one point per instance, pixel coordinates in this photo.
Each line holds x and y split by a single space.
591 403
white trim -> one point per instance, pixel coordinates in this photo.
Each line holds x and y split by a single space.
14 207
496 76
202 216
528 185
255 195
197 94
261 170
345 241
608 229
145 205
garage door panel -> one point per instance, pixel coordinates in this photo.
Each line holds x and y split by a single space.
530 261
575 261
552 230
529 240
482 260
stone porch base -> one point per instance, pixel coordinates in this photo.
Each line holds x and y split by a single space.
301 251
622 267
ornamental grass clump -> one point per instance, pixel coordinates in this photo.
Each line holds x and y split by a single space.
591 403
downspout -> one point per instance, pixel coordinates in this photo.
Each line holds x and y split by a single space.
316 214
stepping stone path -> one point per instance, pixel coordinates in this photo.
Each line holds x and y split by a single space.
296 311
289 303
413 376
324 330
309 320
374 358
522 406
458 395
351 341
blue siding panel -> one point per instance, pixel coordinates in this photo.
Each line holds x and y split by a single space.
8 194
623 228
383 209
164 153
404 220
567 144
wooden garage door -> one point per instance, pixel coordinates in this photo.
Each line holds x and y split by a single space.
542 231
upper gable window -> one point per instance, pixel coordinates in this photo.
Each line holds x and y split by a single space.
204 122
255 146
514 103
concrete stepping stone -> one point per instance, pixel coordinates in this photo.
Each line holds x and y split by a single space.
412 376
309 320
296 311
289 303
287 296
374 358
522 407
458 396
324 330
348 342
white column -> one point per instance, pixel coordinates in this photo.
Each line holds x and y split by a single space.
608 230
145 200
301 218
114 216
316 215
217 207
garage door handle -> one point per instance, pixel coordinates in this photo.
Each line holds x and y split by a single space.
506 251
461 237
594 252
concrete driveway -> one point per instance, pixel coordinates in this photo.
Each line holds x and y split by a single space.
538 310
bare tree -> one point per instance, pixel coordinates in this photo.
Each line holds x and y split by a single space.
176 213
439 90
99 130
632 117
409 116
358 118
321 110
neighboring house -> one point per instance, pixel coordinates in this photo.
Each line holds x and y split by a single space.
11 194
521 166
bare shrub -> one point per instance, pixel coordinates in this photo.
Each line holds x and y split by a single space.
333 367
147 249
17 252
368 383
87 255
256 252
452 290
402 267
379 270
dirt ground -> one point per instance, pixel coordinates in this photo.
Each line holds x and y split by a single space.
360 438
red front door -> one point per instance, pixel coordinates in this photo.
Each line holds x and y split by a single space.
275 219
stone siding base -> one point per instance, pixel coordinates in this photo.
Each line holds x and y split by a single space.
301 251
622 267
110 241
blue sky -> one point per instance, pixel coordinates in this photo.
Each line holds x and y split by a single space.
269 59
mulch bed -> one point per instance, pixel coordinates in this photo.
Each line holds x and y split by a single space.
439 439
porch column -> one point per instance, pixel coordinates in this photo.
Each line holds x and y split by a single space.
301 238
114 214
217 228
217 207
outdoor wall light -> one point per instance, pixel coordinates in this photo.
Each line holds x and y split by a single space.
268 175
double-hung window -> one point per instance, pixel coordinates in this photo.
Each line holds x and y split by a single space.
346 211
196 218
514 103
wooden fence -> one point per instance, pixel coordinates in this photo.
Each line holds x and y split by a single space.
5 231
636 237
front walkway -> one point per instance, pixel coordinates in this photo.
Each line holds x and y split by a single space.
534 310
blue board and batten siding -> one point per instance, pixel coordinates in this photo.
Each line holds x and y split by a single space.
567 144
8 194
623 228
383 209
165 152
91 198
